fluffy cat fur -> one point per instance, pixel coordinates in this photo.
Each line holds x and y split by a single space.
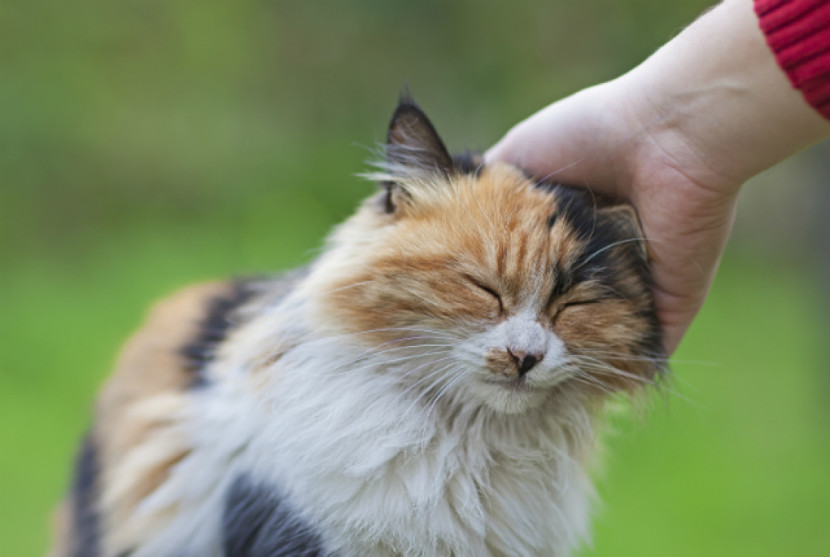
429 386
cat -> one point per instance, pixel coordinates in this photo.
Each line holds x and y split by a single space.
431 385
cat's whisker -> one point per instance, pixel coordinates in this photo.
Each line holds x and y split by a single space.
417 349
622 356
417 386
605 368
451 384
427 377
656 359
373 349
550 175
436 377
396 329
590 382
599 365
606 248
443 375
588 379
432 335
373 362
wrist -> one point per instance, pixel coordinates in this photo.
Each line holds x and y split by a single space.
668 129
716 102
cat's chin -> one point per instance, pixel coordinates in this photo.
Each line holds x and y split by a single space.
511 397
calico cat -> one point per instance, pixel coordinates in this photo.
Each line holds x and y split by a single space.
429 386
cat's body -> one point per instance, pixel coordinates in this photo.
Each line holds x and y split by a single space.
428 387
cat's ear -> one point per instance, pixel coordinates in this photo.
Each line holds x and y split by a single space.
413 152
412 144
623 220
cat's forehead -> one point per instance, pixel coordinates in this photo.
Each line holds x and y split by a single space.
501 204
493 193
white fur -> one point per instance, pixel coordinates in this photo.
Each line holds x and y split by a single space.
362 448
521 333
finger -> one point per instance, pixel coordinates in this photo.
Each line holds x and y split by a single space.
686 230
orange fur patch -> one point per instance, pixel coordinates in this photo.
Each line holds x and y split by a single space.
139 402
430 266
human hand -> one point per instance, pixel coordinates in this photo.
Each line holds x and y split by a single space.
676 137
593 138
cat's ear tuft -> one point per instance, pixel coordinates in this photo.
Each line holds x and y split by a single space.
394 196
626 225
412 144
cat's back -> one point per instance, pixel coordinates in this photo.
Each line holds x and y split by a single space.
129 449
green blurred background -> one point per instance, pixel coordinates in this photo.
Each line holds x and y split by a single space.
148 144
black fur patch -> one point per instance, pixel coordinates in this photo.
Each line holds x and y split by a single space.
214 329
578 208
468 163
544 185
257 522
411 139
562 281
85 522
552 220
651 343
606 251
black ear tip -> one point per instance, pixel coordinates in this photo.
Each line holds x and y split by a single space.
408 113
407 105
412 139
405 96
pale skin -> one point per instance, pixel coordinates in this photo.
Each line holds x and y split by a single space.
676 136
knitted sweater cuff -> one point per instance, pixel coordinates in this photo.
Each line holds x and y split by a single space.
798 32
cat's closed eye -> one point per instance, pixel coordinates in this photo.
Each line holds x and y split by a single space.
492 292
572 304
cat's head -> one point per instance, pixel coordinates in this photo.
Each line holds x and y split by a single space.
485 285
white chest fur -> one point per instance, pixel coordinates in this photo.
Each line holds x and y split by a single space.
379 472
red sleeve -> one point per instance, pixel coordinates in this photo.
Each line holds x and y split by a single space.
798 32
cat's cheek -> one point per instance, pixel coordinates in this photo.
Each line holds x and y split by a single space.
604 336
597 326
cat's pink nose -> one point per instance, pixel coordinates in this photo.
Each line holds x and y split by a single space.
525 362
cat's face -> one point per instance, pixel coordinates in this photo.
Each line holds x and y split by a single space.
487 287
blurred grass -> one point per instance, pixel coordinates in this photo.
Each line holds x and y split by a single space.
148 144
735 462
